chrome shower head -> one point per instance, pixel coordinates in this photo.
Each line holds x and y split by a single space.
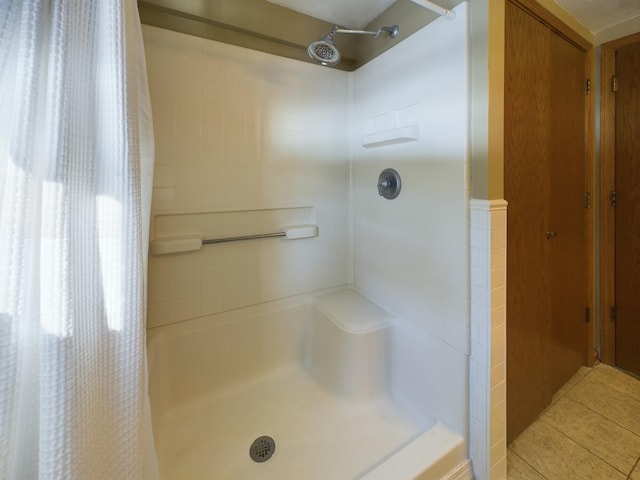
325 52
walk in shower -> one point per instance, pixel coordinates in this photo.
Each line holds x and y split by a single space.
332 341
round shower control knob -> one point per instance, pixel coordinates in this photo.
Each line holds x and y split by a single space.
389 184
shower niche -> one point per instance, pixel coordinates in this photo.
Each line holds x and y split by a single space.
392 127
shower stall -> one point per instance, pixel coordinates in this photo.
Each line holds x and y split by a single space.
336 345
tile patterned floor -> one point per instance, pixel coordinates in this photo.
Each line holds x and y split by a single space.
590 431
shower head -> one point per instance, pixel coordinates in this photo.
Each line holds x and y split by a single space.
325 52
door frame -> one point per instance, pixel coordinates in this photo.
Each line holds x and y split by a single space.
608 185
539 12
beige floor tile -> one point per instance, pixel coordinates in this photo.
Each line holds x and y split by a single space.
557 457
573 381
617 379
611 403
635 475
608 440
518 469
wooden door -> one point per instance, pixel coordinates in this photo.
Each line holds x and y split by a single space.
544 185
567 210
627 211
527 185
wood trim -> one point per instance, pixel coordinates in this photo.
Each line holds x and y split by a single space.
538 11
590 212
608 185
622 42
607 213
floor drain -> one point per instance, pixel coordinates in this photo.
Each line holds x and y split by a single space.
262 449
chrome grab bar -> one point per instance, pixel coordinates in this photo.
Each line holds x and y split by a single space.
210 241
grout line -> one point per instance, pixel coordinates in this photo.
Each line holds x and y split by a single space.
611 387
602 414
633 468
554 400
531 466
592 409
618 370
582 446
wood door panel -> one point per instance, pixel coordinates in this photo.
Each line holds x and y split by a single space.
527 187
567 211
544 179
627 248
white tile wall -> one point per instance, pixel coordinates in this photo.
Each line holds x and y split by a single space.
412 254
487 382
413 251
238 129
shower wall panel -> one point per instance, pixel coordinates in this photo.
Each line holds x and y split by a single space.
411 254
235 130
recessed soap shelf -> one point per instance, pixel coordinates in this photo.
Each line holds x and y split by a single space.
389 137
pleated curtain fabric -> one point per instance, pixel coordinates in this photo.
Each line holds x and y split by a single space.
76 159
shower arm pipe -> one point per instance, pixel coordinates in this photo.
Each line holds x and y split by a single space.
361 32
443 12
357 32
392 31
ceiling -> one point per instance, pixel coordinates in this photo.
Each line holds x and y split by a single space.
346 13
595 15
598 15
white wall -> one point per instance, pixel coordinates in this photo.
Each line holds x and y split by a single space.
412 253
238 129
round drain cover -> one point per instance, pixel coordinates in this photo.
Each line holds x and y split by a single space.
262 449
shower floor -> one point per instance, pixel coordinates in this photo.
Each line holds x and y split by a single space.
318 435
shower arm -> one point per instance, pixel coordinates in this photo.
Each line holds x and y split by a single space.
392 31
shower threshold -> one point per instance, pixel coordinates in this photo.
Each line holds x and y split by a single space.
319 435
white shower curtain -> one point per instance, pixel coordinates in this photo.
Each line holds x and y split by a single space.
76 155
